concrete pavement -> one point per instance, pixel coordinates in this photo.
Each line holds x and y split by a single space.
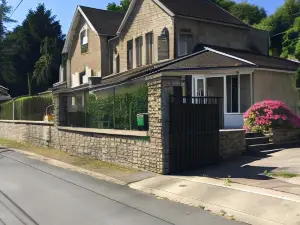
249 204
34 192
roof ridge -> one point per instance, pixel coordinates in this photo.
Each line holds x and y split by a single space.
105 10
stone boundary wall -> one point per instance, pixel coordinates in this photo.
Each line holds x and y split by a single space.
286 136
232 143
130 151
124 150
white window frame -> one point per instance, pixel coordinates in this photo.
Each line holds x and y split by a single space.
85 37
204 77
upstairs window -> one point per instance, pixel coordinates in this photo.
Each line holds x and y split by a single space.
149 48
163 45
129 55
185 44
139 53
84 39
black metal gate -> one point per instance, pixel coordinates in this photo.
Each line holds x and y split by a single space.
194 131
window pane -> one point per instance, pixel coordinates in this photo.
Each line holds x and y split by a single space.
200 88
185 44
229 91
245 92
139 46
129 55
149 48
182 45
235 94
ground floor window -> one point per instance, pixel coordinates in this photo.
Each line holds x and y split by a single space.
232 87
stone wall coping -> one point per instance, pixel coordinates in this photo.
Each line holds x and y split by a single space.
28 122
232 130
106 131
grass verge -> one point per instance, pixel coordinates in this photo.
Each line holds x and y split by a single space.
282 174
80 161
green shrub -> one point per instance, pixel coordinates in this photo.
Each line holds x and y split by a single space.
6 110
117 110
26 108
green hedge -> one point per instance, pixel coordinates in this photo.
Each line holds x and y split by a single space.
117 110
6 110
26 108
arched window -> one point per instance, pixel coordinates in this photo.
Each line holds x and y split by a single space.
84 39
163 45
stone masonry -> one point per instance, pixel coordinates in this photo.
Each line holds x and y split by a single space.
232 143
144 152
286 136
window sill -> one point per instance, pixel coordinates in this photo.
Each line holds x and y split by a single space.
106 131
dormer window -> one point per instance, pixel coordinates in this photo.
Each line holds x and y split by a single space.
84 39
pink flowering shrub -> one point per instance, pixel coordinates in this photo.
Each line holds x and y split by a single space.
268 114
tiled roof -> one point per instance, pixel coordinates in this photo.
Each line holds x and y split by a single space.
204 9
219 57
261 60
206 59
105 22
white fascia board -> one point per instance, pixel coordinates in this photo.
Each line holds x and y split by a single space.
87 20
71 29
130 8
70 33
230 56
164 8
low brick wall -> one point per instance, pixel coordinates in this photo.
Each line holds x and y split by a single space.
286 136
232 143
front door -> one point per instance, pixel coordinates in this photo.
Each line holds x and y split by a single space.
199 87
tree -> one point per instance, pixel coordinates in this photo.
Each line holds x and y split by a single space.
6 68
250 14
38 25
225 4
46 64
279 23
124 5
291 41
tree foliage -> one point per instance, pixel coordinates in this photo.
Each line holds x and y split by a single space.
280 25
250 14
124 5
6 68
33 55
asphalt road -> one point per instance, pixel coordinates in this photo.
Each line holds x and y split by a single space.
33 192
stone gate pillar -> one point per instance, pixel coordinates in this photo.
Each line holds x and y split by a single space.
159 90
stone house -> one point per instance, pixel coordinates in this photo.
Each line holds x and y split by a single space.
208 50
192 44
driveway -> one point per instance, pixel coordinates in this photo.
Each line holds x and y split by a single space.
250 170
33 192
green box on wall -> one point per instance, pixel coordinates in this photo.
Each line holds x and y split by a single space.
142 121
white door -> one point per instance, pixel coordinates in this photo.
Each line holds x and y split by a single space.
199 87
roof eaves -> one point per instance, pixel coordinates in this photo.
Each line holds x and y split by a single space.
86 19
130 8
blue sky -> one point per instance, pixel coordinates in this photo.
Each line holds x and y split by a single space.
64 9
